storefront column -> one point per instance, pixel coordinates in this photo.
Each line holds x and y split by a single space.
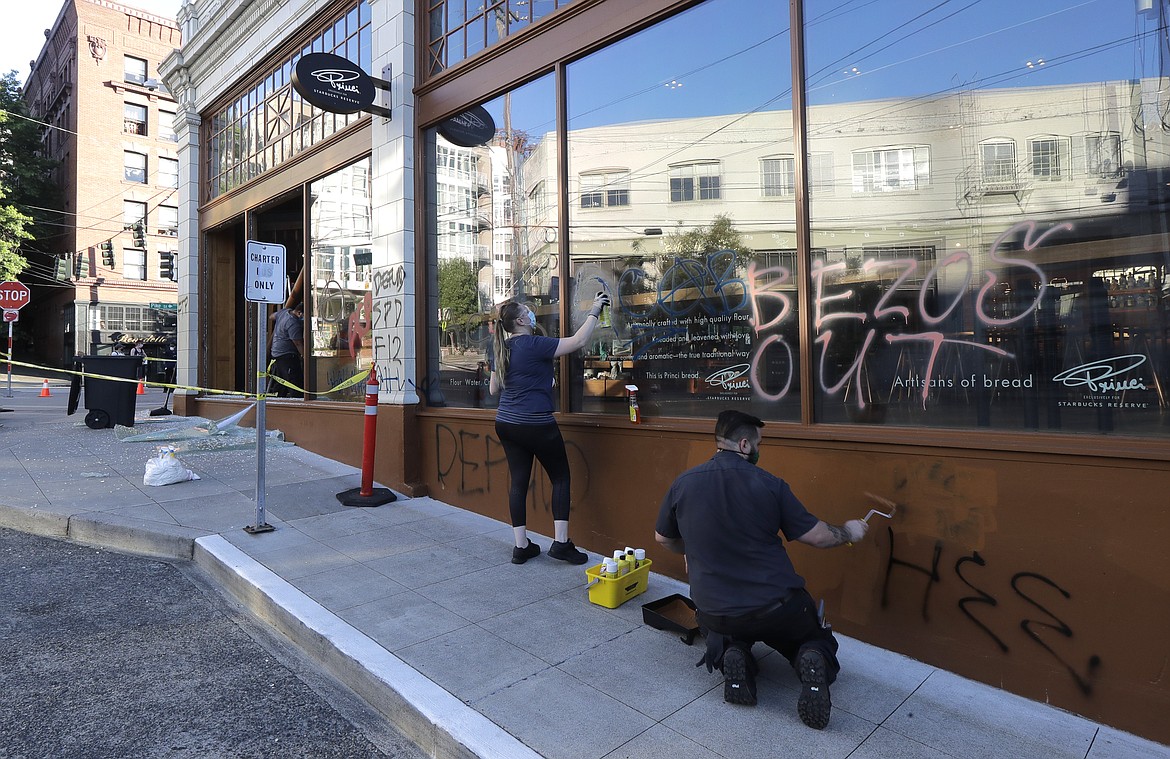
392 183
187 256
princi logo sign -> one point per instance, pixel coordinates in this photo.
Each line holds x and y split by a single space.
333 83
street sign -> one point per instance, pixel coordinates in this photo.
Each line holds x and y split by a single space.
165 306
10 315
14 295
264 273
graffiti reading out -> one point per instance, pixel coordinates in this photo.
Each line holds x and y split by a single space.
1031 587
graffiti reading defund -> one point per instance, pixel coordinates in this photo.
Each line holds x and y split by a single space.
473 463
387 309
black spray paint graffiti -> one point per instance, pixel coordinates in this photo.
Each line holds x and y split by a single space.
387 310
475 464
1020 583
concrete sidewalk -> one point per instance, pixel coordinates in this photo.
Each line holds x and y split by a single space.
416 606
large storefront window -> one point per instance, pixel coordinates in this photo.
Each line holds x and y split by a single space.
340 251
491 234
270 123
681 205
993 251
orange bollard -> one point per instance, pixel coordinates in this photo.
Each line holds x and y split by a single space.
141 388
45 390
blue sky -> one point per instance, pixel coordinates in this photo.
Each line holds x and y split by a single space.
22 35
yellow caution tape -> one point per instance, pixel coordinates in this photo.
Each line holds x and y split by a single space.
355 379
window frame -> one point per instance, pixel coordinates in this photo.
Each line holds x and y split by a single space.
129 171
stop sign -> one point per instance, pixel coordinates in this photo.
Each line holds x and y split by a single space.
13 295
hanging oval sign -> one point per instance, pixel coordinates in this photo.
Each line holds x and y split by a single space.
333 83
470 129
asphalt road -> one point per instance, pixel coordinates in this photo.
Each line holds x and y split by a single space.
111 655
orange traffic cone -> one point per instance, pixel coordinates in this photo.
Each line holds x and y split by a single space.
141 388
45 390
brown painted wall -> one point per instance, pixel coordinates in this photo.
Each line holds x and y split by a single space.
1042 574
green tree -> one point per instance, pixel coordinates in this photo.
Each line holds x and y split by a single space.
458 292
698 242
28 190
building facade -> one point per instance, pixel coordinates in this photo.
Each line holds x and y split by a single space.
109 279
929 246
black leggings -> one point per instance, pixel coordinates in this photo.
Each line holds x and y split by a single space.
523 441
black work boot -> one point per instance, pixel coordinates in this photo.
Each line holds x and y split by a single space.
739 676
814 705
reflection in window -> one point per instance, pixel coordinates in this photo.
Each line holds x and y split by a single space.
134 167
491 237
700 263
134 119
133 213
341 273
133 263
1103 155
168 172
168 220
166 126
605 188
134 69
694 181
889 169
1049 158
1028 257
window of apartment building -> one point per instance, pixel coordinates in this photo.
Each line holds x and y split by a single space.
1103 154
998 162
133 263
778 176
134 166
166 126
168 172
267 123
134 69
123 318
458 30
1049 158
168 220
134 119
694 181
891 169
133 213
605 188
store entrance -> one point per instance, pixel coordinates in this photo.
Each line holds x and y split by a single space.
280 222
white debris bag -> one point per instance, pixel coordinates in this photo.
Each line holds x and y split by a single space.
166 469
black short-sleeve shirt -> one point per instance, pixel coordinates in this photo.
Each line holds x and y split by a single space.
730 513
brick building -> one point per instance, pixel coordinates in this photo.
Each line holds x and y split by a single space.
111 269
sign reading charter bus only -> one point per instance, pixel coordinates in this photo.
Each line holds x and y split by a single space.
264 273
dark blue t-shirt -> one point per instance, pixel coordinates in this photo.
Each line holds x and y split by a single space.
730 513
527 397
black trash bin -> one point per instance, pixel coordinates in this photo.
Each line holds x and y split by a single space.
108 401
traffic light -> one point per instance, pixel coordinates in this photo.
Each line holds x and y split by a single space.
80 265
166 265
108 254
140 235
62 269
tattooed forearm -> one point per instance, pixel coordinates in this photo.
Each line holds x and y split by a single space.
840 533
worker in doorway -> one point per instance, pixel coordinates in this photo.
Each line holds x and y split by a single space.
287 348
727 516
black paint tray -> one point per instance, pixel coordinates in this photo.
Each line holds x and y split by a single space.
674 613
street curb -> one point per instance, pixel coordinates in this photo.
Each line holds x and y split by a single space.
438 722
98 528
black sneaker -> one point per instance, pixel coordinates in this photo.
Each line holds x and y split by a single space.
567 552
814 705
739 678
521 555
